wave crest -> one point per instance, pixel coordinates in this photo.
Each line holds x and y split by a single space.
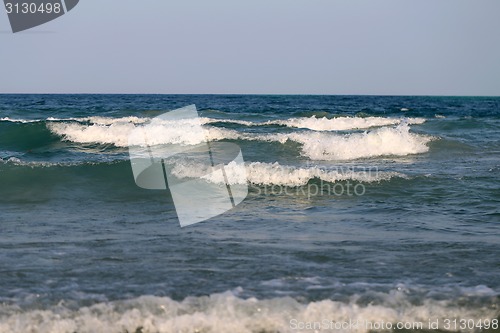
343 123
270 174
316 145
384 141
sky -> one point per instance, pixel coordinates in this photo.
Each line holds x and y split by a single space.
374 47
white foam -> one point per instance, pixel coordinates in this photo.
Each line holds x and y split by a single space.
105 120
205 120
384 141
11 160
117 131
227 313
343 123
276 174
312 123
324 124
281 175
24 121
159 132
94 120
47 164
316 145
116 134
142 120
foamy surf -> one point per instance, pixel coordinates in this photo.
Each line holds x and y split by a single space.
117 131
116 134
47 164
274 174
312 123
323 124
228 313
343 123
384 141
13 120
159 132
93 120
106 130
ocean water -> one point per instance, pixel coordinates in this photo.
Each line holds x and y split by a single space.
364 209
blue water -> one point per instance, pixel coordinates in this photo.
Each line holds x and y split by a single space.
84 249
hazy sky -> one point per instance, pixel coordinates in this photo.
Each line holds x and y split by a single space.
444 47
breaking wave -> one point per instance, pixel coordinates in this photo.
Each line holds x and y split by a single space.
281 175
343 123
384 141
228 313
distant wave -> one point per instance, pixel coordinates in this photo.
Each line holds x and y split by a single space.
312 123
23 121
16 161
323 124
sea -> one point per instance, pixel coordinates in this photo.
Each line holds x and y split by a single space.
363 214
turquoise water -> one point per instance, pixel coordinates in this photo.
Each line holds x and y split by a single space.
83 249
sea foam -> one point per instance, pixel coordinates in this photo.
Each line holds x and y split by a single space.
228 313
343 123
23 121
385 141
268 174
316 145
312 123
159 132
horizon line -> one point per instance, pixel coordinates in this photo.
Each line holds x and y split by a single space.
245 94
